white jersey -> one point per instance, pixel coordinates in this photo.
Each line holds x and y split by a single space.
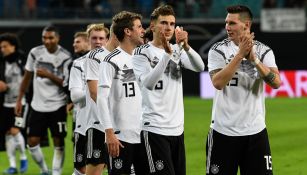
47 96
91 69
122 109
163 111
77 80
239 108
13 78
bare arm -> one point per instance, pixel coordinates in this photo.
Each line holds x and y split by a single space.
92 86
3 86
22 90
221 77
269 74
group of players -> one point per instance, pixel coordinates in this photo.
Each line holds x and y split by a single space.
127 97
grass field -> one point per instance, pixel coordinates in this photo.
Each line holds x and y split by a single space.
286 123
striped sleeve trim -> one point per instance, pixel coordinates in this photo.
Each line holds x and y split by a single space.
111 55
78 68
139 49
218 44
93 53
33 56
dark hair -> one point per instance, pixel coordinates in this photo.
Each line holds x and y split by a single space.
52 28
243 11
123 20
11 38
163 10
148 34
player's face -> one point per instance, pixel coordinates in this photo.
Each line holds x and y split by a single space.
6 48
234 27
50 40
98 39
166 24
80 45
137 33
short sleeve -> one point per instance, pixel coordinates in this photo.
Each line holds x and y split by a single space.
215 60
30 62
91 67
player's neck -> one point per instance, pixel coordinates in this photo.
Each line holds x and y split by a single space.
110 46
157 43
127 46
53 50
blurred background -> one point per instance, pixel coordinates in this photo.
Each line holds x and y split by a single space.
280 24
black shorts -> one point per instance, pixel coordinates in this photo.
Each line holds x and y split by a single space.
96 148
39 122
7 118
226 153
164 155
79 150
128 156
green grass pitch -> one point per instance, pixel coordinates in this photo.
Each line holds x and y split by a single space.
286 122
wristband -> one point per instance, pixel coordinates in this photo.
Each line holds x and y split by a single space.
19 122
255 62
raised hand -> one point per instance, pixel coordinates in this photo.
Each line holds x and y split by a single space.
182 37
246 44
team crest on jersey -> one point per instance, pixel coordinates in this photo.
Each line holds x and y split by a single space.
118 163
214 169
96 153
159 165
79 158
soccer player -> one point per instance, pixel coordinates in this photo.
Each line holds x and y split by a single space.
48 64
119 97
12 69
158 68
96 153
77 93
238 67
81 47
81 44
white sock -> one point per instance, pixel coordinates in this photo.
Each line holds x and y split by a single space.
10 149
21 145
76 172
58 160
38 157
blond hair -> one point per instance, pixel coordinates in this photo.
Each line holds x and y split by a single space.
81 34
97 27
